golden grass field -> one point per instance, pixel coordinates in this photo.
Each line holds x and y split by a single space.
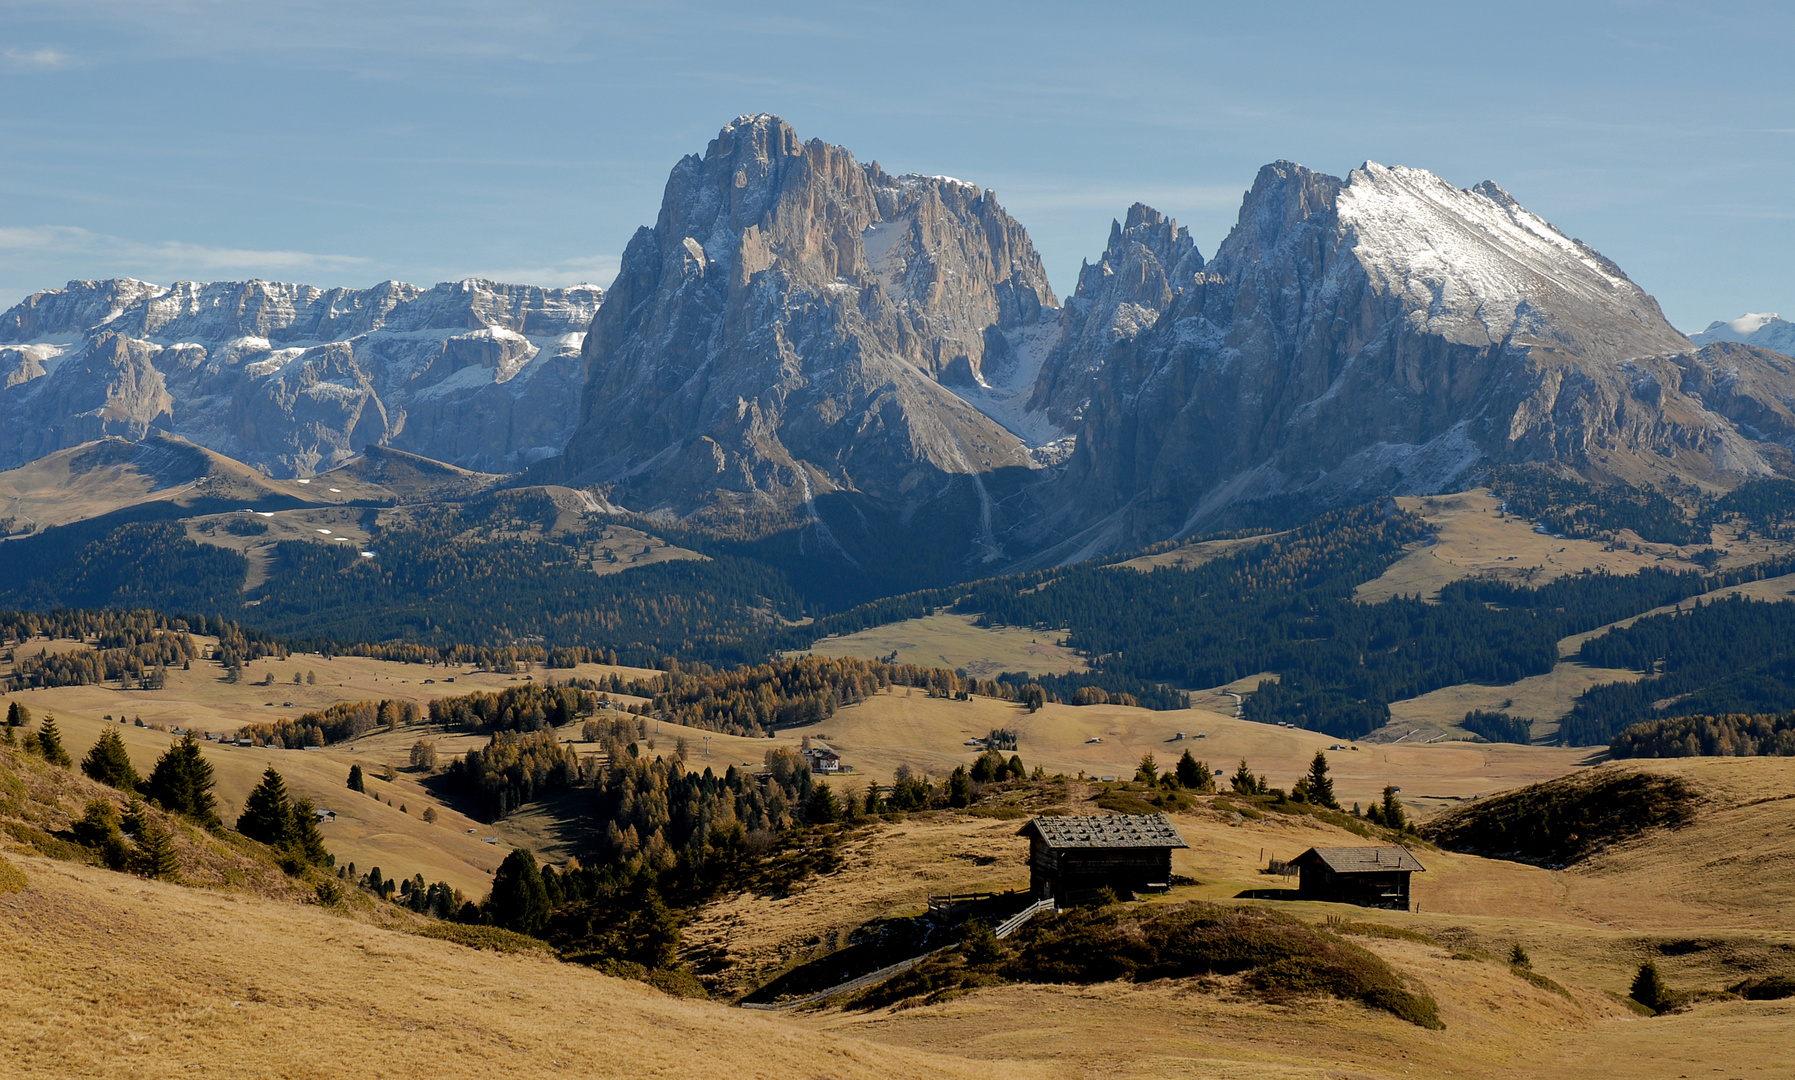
367 830
116 977
953 641
1475 538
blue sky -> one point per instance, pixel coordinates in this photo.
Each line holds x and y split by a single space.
346 143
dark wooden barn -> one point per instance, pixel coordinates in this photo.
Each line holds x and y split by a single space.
1366 876
1072 857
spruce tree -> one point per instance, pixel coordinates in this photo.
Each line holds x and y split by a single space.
1393 816
181 783
1147 771
1188 776
822 807
155 857
1243 780
519 901
355 780
1649 989
959 788
48 742
267 813
17 715
875 803
109 763
306 839
1321 786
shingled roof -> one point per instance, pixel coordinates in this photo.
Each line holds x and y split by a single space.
1361 860
1106 831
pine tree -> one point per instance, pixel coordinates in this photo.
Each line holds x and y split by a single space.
518 901
109 763
1188 774
48 742
875 803
1148 770
306 839
355 780
267 813
1392 816
155 856
822 807
959 788
17 715
1649 989
181 783
1321 786
1243 780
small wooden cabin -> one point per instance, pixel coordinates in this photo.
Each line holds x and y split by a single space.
1073 857
1366 876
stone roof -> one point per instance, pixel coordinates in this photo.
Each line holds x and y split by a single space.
1106 831
1361 860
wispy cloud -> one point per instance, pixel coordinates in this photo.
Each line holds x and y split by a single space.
162 259
38 59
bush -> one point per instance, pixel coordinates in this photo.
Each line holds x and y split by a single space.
1771 988
1279 956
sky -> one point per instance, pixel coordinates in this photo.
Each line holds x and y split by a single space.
345 143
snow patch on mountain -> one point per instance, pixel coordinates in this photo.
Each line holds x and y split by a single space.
1464 260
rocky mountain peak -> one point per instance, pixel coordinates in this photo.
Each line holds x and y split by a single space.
294 379
1392 333
1764 329
786 328
1149 261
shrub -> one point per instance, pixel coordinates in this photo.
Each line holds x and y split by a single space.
1771 988
1277 955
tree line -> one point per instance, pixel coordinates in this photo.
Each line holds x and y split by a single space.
1732 735
1729 656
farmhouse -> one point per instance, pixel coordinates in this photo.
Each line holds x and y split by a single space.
822 759
1070 857
1366 876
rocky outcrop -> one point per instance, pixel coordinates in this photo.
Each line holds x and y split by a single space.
1389 333
295 380
790 327
1149 262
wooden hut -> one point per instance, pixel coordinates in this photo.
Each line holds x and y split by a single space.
1072 857
1366 876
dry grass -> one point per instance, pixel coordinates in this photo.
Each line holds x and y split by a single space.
109 976
928 733
1191 556
953 641
1474 538
1544 699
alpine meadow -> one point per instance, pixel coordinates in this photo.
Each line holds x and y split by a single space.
1360 647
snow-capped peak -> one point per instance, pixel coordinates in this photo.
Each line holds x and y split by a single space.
1471 261
1765 329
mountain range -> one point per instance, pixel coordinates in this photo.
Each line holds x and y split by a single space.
808 352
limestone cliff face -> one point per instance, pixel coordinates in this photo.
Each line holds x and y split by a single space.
791 325
1390 333
1149 262
293 379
